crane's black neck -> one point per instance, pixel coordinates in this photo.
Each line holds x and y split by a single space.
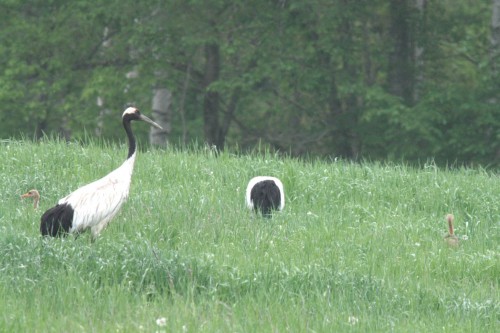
131 138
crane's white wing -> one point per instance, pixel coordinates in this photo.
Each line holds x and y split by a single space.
98 202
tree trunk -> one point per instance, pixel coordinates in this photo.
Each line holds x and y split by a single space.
495 53
182 103
162 99
369 76
103 112
401 67
495 36
419 49
344 110
211 102
40 129
228 116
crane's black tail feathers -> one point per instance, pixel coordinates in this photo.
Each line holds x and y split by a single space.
57 220
266 197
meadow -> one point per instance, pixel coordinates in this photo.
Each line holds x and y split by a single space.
358 247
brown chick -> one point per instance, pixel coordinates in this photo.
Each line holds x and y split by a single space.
451 239
32 194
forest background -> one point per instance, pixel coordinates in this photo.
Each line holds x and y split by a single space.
382 80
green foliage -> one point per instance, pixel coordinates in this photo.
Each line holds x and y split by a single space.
357 247
305 77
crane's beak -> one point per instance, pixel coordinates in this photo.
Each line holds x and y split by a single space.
149 121
25 195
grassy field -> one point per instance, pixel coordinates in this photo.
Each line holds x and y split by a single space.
359 247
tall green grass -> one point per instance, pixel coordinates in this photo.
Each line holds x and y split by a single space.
358 247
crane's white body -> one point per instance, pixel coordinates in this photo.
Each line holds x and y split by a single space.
258 179
96 204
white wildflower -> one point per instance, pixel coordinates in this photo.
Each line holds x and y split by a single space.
352 320
312 214
161 321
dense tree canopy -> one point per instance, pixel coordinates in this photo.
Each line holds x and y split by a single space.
396 79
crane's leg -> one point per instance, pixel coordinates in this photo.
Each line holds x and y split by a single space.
96 230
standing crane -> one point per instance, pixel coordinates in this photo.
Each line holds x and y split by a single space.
264 194
32 194
94 205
